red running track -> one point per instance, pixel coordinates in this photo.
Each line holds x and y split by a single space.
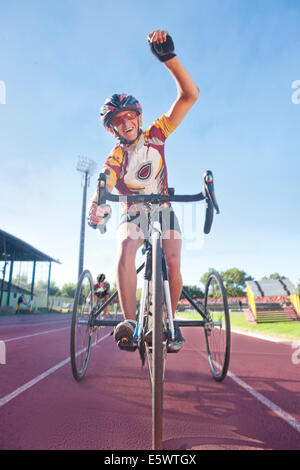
43 407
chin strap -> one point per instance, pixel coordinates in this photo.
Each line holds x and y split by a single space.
125 141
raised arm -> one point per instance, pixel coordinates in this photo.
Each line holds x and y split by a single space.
162 47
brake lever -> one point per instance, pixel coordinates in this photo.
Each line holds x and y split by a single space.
210 190
102 201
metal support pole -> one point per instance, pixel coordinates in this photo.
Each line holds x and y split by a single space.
3 280
32 281
4 269
82 230
87 167
48 285
9 281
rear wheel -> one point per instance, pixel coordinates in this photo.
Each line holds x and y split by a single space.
217 329
157 352
81 332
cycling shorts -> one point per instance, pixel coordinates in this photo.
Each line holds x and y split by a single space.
102 295
167 218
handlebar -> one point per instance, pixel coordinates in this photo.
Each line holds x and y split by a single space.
207 194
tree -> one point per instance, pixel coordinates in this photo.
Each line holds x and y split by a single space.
205 275
234 280
54 289
68 290
42 286
21 280
275 276
193 291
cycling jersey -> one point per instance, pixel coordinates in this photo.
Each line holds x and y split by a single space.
140 168
102 290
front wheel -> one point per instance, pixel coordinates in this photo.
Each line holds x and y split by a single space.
157 352
81 332
217 328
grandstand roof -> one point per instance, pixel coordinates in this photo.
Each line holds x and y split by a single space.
15 249
271 288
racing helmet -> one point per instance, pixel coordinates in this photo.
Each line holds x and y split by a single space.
100 277
116 104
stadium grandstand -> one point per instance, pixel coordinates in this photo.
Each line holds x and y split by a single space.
22 267
272 301
234 303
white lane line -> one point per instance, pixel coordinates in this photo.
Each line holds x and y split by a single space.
262 337
35 334
31 383
289 419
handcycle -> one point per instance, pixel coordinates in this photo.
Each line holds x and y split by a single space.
154 297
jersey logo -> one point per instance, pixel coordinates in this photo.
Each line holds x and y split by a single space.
145 171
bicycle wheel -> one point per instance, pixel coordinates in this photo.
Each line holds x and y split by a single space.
217 329
157 348
81 333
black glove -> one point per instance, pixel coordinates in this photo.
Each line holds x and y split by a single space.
163 51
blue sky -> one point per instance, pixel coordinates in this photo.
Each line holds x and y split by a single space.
61 59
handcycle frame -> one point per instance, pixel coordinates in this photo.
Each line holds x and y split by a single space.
155 269
206 194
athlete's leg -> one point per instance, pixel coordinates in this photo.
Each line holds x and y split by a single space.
130 238
105 298
172 247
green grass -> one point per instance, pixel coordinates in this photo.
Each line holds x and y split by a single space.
289 331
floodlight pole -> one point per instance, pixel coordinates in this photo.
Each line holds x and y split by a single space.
82 230
87 167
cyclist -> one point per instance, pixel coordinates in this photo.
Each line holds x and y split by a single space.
21 300
102 291
137 165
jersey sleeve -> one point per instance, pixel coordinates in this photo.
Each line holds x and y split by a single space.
112 166
160 129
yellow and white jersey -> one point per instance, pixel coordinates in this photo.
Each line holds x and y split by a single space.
140 168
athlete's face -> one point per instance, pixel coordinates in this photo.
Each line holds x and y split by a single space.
127 123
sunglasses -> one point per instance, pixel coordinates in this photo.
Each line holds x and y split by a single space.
119 119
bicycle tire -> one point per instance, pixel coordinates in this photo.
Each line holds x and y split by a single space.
217 330
81 334
157 347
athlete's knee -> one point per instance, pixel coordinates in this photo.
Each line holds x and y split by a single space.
127 250
173 263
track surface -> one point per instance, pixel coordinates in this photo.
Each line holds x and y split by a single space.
43 407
